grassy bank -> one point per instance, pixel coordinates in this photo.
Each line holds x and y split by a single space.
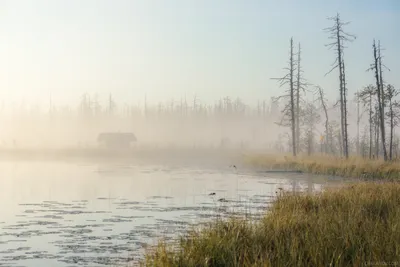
352 226
352 167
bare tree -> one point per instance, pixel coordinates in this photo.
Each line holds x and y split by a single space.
291 71
359 116
376 130
364 147
311 118
366 96
111 105
300 87
345 124
289 110
393 114
321 98
377 67
339 36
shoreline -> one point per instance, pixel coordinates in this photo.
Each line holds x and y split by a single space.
354 167
304 229
298 230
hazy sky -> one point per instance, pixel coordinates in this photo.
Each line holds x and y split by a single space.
167 49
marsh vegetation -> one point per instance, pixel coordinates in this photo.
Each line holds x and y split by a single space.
351 226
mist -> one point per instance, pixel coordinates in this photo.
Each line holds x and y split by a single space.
229 123
125 123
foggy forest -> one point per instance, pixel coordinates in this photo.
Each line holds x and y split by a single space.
361 121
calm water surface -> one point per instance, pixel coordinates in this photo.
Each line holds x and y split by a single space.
104 214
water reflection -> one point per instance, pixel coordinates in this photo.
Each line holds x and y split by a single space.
68 214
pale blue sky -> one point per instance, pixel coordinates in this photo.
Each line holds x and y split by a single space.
167 49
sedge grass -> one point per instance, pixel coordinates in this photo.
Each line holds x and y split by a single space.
356 225
353 167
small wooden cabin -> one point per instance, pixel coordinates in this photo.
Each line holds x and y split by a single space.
116 140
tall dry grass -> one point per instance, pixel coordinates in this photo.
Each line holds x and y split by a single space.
357 225
354 167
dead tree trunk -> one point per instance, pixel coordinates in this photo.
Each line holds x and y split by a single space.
391 130
340 142
323 104
370 125
366 97
339 51
393 114
339 36
380 96
377 128
382 91
346 136
289 110
298 85
291 71
358 124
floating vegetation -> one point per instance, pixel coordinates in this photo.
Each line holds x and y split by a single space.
115 231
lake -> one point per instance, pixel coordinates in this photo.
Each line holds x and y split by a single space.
105 213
